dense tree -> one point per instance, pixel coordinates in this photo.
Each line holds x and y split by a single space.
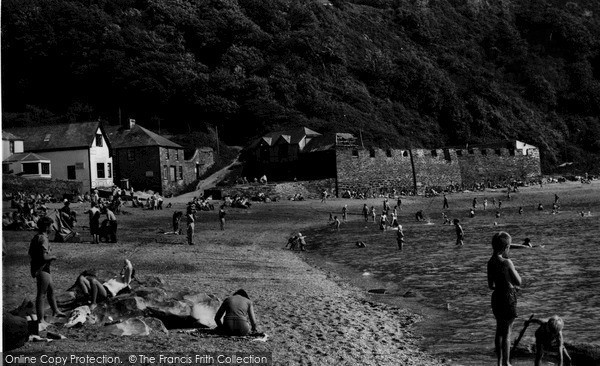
397 72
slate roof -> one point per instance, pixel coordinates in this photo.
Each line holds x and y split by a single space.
70 136
20 157
137 136
292 136
9 136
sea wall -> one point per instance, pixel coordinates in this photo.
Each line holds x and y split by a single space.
309 189
498 165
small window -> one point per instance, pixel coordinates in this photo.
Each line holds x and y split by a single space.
388 153
11 147
176 154
434 153
71 172
511 152
47 137
165 172
180 172
46 168
355 152
483 151
5 168
168 155
172 173
99 140
458 152
372 153
498 152
405 153
471 151
109 170
31 168
131 155
100 170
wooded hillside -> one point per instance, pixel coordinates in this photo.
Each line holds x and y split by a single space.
404 72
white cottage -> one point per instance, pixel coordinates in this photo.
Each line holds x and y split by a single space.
77 151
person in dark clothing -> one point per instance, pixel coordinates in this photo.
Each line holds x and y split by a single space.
238 312
177 215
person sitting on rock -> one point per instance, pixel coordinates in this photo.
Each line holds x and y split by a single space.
235 316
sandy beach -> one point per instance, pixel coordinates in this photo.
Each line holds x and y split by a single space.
312 317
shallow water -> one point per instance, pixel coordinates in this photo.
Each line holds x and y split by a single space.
561 278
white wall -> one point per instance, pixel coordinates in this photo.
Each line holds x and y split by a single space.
61 159
520 145
100 154
6 149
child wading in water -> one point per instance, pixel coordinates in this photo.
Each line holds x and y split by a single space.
503 279
460 234
548 334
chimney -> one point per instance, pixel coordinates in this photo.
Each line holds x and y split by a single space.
130 124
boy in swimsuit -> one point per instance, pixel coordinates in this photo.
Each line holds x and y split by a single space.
548 334
460 234
503 278
39 252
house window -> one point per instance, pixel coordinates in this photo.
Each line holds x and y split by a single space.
458 152
131 155
47 137
5 168
388 153
483 151
498 152
176 154
46 168
511 152
168 155
165 172
109 170
405 153
172 173
372 153
434 153
99 140
354 152
180 172
31 168
471 151
11 147
71 172
100 170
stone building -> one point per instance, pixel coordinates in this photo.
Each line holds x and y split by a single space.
148 161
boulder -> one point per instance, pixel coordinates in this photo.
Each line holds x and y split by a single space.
156 325
131 326
78 316
15 331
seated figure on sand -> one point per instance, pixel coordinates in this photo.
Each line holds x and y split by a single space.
89 284
549 334
238 312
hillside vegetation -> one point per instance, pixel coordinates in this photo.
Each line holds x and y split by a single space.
402 73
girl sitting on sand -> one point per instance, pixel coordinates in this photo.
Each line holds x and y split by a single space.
239 315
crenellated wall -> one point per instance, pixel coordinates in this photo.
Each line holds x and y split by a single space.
375 171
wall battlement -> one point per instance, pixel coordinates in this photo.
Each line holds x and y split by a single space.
375 170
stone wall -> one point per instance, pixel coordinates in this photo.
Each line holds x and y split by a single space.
310 189
373 171
498 165
436 168
55 187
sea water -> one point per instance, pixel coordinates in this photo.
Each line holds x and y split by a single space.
562 277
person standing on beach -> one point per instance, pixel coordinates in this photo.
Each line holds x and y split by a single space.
474 203
460 234
445 202
365 212
485 203
190 224
373 213
503 279
94 215
400 237
399 203
222 217
39 252
344 212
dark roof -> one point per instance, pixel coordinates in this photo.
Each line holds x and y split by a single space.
24 157
320 143
9 136
58 137
137 136
292 136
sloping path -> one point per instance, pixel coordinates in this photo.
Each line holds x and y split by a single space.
211 181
